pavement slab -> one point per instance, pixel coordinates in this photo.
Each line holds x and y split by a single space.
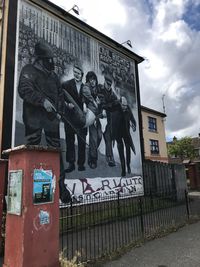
181 248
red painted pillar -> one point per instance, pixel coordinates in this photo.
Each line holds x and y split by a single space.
32 226
3 172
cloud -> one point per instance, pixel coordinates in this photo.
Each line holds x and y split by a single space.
167 34
99 14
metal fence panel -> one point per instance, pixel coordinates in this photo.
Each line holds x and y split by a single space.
93 230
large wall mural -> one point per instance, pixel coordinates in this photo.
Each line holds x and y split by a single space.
76 93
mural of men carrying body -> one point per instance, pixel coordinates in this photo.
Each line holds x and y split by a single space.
40 89
45 102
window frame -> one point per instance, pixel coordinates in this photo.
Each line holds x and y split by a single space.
152 124
154 147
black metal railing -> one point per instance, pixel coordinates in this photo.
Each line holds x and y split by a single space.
104 227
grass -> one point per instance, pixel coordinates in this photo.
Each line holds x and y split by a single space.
79 217
64 262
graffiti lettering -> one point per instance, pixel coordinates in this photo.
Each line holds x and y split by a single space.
105 183
91 190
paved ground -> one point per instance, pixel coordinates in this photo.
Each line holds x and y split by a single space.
181 248
194 194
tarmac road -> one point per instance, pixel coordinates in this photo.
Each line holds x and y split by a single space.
181 248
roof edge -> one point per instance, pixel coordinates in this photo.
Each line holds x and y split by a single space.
153 111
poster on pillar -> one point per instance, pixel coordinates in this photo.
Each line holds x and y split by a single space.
75 92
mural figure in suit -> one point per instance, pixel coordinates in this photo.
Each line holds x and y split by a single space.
74 88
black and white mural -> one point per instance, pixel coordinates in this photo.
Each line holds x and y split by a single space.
73 92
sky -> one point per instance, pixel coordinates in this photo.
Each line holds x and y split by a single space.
167 34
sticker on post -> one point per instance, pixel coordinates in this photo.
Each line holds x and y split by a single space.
42 186
14 197
44 217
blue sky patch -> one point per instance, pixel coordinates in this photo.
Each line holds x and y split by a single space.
192 16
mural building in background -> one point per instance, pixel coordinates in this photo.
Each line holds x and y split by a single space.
73 92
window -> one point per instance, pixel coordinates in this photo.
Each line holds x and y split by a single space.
154 146
152 124
197 152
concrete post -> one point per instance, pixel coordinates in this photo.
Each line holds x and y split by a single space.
3 180
32 222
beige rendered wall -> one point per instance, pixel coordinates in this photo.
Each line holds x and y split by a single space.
4 23
159 135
